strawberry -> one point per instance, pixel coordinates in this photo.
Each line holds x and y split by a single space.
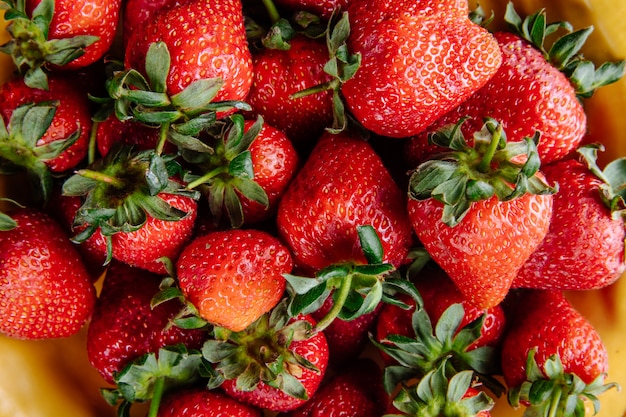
355 391
125 326
233 277
418 61
112 130
246 174
131 209
65 33
183 27
45 290
584 247
44 131
280 73
321 8
343 184
137 13
201 402
481 211
553 353
276 363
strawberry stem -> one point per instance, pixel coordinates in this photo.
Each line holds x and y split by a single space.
157 394
207 177
554 403
271 10
485 163
342 296
163 129
101 177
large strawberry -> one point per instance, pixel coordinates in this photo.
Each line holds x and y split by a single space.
235 276
533 90
419 60
584 248
481 211
44 131
202 402
65 33
45 290
552 357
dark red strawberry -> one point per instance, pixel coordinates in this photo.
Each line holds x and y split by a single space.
203 402
552 357
322 8
584 247
45 290
419 60
125 327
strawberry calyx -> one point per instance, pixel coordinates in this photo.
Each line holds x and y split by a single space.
564 53
29 46
552 392
121 190
150 376
19 143
464 174
436 395
182 116
357 289
227 173
613 189
261 353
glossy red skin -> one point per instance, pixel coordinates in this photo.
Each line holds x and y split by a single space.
275 162
355 391
202 402
313 349
137 13
235 276
438 293
527 94
322 8
45 290
72 113
342 185
216 47
125 327
544 319
483 253
419 60
280 73
584 248
84 17
143 137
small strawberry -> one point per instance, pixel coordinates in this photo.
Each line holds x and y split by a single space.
480 211
235 276
418 61
44 131
45 290
275 364
355 391
584 247
125 326
552 357
533 90
68 34
202 402
342 185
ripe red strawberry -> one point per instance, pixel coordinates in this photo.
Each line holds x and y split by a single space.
125 326
203 402
553 351
233 277
355 391
137 13
280 73
419 60
42 142
183 27
65 33
276 364
533 90
45 290
342 185
480 212
112 131
131 210
584 248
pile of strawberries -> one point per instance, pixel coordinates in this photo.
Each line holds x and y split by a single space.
308 208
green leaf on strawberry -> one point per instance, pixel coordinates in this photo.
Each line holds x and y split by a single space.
564 53
554 392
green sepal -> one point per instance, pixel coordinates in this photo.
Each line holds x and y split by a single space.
564 54
461 175
187 317
6 222
552 391
279 35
